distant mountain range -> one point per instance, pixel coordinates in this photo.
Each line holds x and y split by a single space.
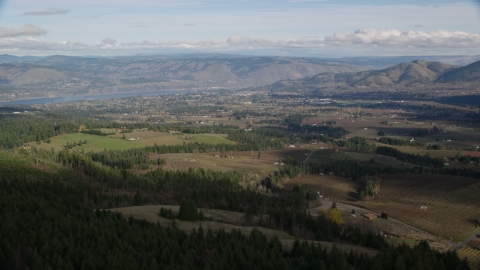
7 58
36 77
63 75
380 62
416 74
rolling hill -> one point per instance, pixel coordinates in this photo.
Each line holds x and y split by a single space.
410 75
469 73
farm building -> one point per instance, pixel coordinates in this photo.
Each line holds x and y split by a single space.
370 216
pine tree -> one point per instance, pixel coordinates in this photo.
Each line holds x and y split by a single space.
188 211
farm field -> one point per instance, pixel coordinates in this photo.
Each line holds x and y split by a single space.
115 142
400 123
420 151
330 186
338 189
148 138
452 203
325 156
150 213
94 143
242 162
396 232
300 153
472 254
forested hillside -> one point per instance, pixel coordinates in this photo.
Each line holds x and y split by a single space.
50 223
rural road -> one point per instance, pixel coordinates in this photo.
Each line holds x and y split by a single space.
474 236
308 157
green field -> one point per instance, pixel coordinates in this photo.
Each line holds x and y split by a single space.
115 142
94 143
211 138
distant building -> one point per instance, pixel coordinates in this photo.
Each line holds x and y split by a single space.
370 216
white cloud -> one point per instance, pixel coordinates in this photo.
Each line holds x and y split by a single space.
27 30
49 12
248 42
396 38
109 41
173 44
363 41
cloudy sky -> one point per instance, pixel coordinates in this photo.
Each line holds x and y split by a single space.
317 28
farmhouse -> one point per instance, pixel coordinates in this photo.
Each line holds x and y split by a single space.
370 216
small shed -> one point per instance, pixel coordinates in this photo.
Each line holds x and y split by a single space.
370 216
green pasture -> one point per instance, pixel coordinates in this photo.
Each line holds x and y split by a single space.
245 163
211 139
94 143
115 142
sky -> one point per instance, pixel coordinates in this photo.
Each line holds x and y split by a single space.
313 28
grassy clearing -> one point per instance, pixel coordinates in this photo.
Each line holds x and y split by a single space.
400 241
115 142
240 161
211 138
148 138
330 186
150 213
94 143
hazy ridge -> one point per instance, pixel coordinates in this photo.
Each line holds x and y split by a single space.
63 75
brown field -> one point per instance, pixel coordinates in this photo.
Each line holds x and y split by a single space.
447 198
327 155
222 221
299 152
459 131
474 243
473 153
396 232
340 189
421 151
472 255
242 163
330 186
452 203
